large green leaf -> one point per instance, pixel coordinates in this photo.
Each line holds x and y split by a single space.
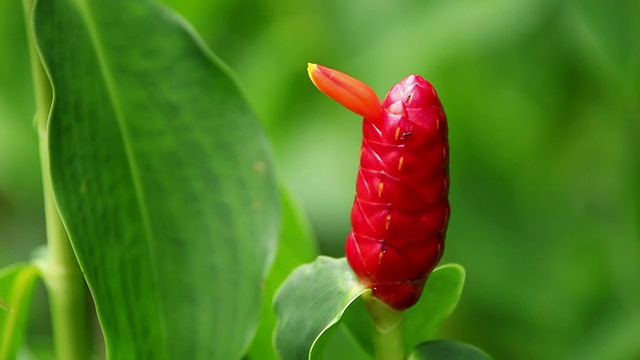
163 178
16 288
309 303
295 248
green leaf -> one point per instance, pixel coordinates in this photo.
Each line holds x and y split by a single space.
296 247
319 295
309 303
163 178
448 350
439 299
16 288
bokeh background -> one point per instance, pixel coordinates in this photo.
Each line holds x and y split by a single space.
543 100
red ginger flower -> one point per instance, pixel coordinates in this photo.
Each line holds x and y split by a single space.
401 210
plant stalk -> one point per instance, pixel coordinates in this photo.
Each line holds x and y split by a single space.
388 329
61 272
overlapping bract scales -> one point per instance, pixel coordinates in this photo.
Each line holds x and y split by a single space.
400 213
401 210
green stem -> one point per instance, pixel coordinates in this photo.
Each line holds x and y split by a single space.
388 329
61 272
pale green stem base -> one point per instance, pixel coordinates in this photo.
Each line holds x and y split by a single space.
388 329
63 278
61 272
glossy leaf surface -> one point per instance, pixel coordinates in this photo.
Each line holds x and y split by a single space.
163 178
16 289
310 302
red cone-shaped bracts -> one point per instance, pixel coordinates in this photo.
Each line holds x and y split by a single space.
401 210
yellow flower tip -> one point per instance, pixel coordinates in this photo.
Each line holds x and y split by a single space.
348 91
311 67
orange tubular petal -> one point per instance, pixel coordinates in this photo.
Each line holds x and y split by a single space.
350 92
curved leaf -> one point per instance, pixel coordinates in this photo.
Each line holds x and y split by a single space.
448 350
16 289
319 295
311 301
439 299
163 178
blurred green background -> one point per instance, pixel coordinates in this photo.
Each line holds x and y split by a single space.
543 100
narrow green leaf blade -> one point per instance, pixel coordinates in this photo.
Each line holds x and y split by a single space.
310 302
448 350
163 178
16 289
